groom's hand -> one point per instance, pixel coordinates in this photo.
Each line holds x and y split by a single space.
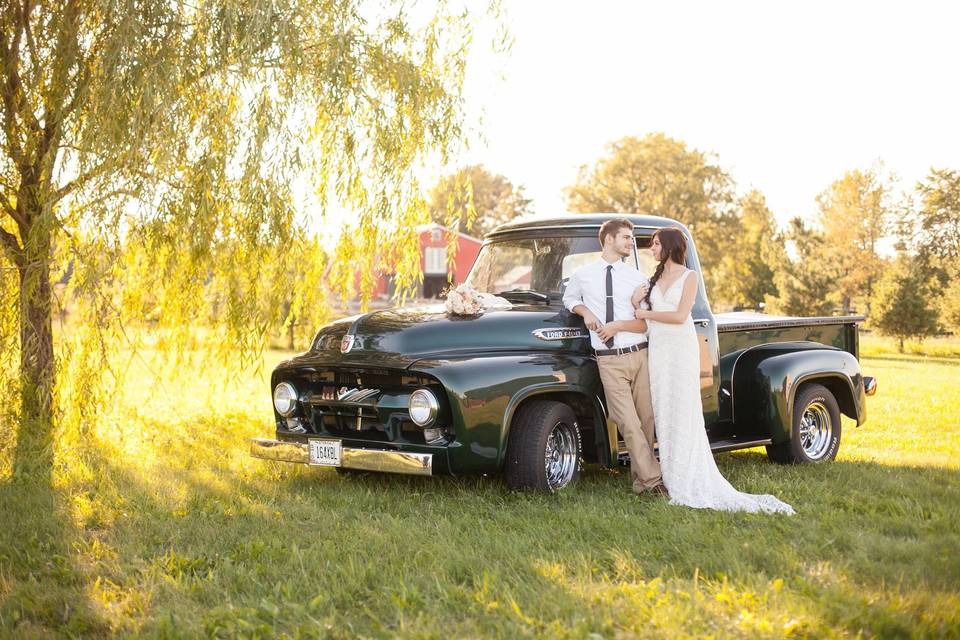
590 320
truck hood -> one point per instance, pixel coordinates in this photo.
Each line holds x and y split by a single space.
401 336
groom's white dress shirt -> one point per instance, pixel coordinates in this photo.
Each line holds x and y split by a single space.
588 286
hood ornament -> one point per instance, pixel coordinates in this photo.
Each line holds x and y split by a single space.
347 343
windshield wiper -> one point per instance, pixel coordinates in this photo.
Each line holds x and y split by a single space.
525 293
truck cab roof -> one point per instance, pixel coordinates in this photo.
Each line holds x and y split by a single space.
583 221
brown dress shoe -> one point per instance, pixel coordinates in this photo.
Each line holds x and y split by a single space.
659 491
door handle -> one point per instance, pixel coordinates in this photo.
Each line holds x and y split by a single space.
702 322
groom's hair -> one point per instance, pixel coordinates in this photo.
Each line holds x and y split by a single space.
612 226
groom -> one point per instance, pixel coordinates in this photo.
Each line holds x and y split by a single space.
603 289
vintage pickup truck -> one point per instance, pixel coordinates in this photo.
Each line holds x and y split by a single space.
415 390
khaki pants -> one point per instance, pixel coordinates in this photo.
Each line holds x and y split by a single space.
626 385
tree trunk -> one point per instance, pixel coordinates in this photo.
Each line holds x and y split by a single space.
34 452
901 344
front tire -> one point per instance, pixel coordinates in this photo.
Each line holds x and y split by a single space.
544 450
815 431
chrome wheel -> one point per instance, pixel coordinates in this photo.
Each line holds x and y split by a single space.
816 430
560 455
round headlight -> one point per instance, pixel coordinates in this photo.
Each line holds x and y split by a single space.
285 399
423 407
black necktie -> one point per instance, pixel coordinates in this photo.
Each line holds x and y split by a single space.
609 342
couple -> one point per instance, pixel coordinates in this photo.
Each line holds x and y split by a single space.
659 393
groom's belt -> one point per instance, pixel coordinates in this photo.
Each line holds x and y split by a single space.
620 351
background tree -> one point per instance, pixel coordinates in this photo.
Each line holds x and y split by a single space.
949 301
660 176
933 229
751 254
801 275
176 129
856 212
474 201
932 232
902 304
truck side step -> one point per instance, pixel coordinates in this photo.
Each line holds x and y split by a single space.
733 443
718 446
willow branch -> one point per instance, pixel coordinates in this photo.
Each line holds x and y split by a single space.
13 213
105 197
80 181
10 57
14 82
9 242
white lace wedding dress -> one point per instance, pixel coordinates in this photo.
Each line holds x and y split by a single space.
689 470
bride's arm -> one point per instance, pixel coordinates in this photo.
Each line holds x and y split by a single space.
683 309
610 329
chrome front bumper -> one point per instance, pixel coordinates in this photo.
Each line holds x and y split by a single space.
417 464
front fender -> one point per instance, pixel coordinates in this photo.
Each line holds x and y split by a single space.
765 383
587 397
483 391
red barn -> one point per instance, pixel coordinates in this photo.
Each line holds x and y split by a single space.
434 245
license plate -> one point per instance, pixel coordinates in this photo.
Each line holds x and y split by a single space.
325 452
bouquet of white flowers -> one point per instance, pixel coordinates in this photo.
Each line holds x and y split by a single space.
464 300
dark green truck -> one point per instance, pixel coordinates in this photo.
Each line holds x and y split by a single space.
415 390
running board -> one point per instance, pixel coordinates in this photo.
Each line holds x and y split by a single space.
718 446
733 443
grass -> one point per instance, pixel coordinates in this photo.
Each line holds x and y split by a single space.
157 524
872 345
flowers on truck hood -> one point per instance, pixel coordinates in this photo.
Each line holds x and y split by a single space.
464 300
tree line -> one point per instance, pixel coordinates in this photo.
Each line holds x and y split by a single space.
870 249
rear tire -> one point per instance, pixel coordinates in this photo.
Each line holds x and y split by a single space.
544 450
815 430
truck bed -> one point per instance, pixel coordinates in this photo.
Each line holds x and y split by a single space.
742 330
745 321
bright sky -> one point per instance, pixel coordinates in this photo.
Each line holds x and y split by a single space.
787 96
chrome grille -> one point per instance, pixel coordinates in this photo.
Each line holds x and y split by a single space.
358 403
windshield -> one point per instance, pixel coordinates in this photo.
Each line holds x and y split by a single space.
533 264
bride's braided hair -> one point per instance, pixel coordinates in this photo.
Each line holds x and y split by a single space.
673 246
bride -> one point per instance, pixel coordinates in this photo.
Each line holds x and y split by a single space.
690 473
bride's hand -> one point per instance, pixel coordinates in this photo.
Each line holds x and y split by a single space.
607 331
642 314
638 295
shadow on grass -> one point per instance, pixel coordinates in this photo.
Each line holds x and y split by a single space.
42 591
242 552
209 542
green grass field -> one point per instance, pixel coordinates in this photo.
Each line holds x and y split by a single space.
158 524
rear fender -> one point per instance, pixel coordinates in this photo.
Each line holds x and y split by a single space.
766 380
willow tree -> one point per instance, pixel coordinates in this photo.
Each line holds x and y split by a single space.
151 145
